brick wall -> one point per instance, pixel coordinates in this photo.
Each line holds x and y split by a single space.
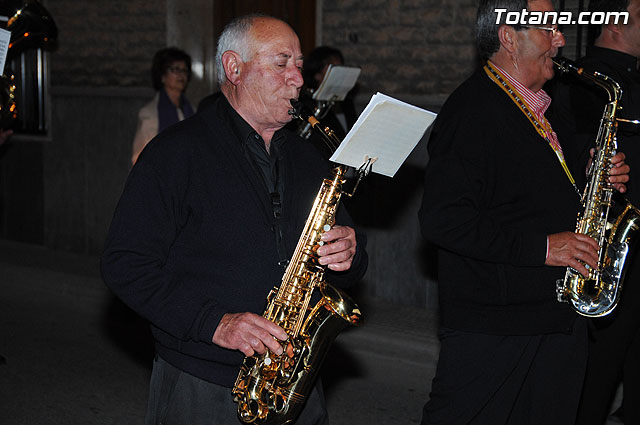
404 47
106 42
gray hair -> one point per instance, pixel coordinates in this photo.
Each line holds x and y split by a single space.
486 27
236 36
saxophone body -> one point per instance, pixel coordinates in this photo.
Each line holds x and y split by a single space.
272 389
606 216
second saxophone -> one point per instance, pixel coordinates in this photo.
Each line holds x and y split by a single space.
607 217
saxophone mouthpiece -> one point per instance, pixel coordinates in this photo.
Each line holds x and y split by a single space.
300 111
565 65
296 108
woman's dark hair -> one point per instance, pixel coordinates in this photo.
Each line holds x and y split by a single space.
163 59
315 63
594 31
486 26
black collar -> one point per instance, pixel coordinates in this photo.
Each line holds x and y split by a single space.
245 133
614 58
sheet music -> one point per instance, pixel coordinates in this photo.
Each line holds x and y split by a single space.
388 129
337 82
5 37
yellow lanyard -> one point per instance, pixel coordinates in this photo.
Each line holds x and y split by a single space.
543 129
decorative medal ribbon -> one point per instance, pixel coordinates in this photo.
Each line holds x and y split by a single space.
543 129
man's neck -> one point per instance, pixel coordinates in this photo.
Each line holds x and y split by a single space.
265 132
504 61
619 45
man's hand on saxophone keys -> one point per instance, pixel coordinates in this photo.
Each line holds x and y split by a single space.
339 248
619 171
573 250
249 333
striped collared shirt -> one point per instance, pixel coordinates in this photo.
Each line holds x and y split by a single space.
537 102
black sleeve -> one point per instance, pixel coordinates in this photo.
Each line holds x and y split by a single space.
145 225
461 178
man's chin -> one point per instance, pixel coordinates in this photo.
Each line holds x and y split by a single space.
285 120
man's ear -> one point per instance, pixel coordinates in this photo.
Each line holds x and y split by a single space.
233 65
613 28
507 38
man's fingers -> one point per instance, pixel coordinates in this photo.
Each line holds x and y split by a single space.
337 232
267 337
586 257
577 265
271 328
248 333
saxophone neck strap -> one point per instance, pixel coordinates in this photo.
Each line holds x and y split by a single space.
542 128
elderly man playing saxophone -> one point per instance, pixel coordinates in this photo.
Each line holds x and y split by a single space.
210 214
500 201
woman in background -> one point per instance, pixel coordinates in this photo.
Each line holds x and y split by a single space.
170 73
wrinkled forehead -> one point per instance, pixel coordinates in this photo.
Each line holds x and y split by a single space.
272 36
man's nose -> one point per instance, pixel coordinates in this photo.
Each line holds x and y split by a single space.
559 40
295 77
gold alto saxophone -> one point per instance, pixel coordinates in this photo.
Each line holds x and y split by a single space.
607 217
272 389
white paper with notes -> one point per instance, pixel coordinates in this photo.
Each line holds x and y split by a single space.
337 82
386 131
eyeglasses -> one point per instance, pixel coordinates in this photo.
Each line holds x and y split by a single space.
177 70
553 30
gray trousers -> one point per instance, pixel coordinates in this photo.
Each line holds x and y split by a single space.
177 398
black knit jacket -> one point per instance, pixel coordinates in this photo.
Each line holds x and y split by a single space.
192 237
494 190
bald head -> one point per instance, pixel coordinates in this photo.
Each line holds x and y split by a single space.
261 79
243 36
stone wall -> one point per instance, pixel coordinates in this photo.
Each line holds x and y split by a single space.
418 52
61 192
413 49
106 42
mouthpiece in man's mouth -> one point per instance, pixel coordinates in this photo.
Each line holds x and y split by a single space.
295 107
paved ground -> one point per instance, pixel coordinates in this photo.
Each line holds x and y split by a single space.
75 356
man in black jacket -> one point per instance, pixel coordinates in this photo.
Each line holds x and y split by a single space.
500 200
210 214
614 343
